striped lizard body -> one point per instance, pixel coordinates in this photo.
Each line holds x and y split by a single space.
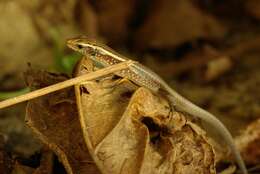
145 77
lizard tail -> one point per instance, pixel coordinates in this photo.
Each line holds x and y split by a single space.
185 105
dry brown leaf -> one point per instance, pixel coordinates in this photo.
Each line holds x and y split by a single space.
95 106
138 133
54 119
174 22
249 143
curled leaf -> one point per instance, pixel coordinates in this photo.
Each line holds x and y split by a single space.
131 130
54 119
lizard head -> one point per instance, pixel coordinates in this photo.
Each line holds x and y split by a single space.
82 45
97 52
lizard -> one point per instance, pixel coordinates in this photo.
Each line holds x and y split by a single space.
104 56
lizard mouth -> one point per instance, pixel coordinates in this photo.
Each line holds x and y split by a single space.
72 44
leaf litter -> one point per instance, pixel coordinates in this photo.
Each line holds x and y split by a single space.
232 92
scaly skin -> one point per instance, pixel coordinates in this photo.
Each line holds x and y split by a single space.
143 76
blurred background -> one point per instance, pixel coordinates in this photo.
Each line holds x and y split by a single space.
209 51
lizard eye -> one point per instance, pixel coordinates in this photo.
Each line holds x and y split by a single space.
79 46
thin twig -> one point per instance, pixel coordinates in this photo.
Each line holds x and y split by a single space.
65 84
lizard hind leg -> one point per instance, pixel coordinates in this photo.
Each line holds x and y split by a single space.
118 82
112 84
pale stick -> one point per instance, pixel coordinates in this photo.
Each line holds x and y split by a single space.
65 84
